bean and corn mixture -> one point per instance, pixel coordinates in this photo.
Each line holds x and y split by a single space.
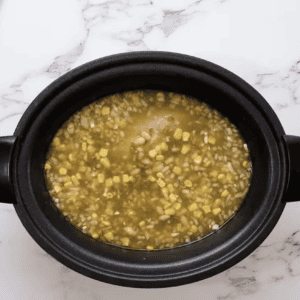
148 170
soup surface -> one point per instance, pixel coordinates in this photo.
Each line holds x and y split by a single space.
148 170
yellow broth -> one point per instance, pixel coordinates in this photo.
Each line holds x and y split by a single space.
148 170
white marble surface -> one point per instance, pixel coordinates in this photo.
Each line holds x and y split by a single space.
257 40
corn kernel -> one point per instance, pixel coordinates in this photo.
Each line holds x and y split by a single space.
57 188
103 152
101 177
56 141
177 206
185 149
157 149
125 178
178 134
75 180
164 217
188 183
68 184
146 135
160 175
173 197
212 140
152 153
106 223
109 236
216 211
197 213
139 141
218 202
170 211
108 182
149 247
83 146
194 228
160 157
206 208
63 171
169 160
105 162
78 176
47 166
61 147
186 136
131 178
170 188
198 159
164 146
109 195
193 207
165 192
116 179
151 178
224 193
177 170
246 164
221 176
160 182
95 235
94 215
125 241
105 110
142 223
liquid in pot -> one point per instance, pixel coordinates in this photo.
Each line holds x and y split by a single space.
148 170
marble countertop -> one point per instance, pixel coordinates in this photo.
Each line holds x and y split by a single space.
257 40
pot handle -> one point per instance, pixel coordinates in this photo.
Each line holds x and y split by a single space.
293 146
6 149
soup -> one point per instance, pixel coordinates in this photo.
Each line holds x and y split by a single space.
148 170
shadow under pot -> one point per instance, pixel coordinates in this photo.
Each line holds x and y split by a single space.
274 157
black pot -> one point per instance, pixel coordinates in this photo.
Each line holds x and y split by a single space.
274 155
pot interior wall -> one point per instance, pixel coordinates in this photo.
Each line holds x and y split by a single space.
217 94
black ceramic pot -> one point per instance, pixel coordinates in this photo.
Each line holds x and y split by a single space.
274 155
